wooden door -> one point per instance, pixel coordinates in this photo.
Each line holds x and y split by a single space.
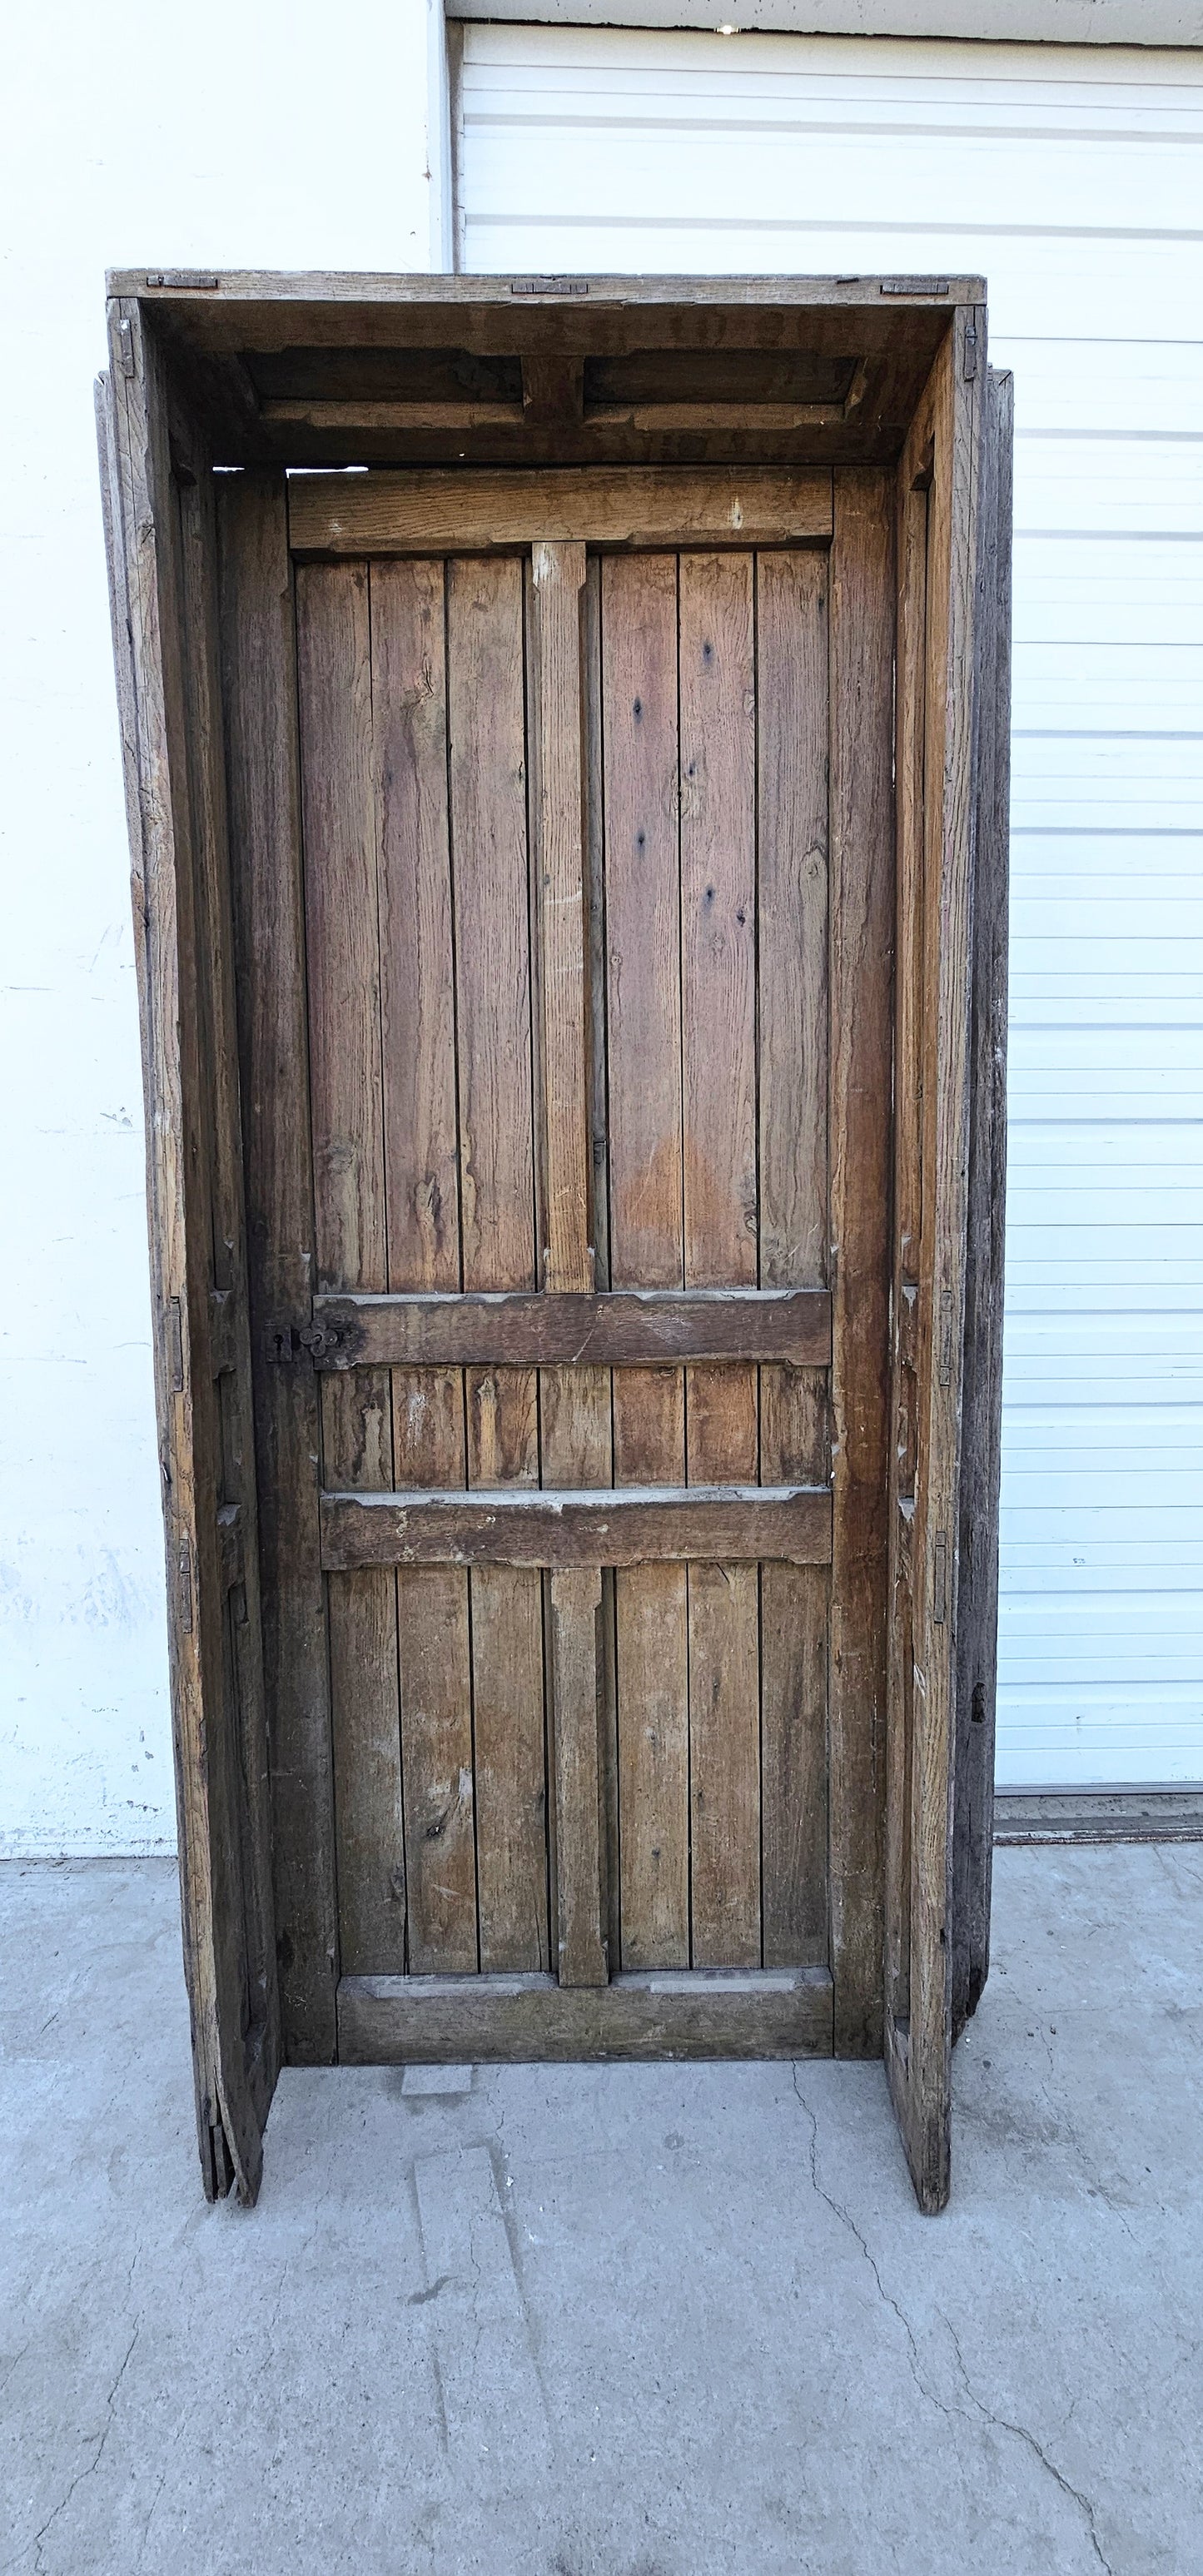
585 970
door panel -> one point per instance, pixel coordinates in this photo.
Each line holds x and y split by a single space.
567 933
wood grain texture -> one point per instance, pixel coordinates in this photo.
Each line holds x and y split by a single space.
794 1003
637 1526
620 1328
341 837
439 511
262 770
497 1199
556 742
388 2021
914 478
417 1017
247 1785
720 1216
977 1603
862 931
643 1015
918 2055
166 693
574 1403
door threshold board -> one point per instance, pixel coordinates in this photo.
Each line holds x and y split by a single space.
1152 1815
678 2013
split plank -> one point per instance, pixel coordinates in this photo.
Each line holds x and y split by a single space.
718 1041
643 935
396 2021
470 512
639 1526
794 989
343 958
622 1328
417 1017
497 1185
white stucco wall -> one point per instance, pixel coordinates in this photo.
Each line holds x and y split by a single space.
273 135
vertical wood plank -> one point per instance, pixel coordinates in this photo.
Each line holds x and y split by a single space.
574 1403
862 892
497 1185
718 1046
910 728
249 1807
417 994
639 655
263 787
595 826
154 652
346 1096
794 990
924 2096
977 1603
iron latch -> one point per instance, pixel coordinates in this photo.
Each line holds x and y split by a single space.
317 1343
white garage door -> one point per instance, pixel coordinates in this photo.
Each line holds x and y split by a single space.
1074 181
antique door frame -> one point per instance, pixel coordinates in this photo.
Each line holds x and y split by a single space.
246 1620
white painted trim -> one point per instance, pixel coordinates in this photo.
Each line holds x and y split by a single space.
440 164
1172 23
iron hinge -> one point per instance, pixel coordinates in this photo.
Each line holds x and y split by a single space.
969 369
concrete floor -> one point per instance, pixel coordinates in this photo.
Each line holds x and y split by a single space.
626 2321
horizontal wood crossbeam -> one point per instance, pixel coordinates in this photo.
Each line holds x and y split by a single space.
628 1525
389 2021
625 1328
449 511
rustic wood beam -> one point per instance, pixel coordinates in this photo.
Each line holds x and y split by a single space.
446 510
621 1328
626 1525
695 2012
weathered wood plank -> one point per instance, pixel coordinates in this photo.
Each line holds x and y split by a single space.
914 478
497 1199
919 2058
619 1525
622 1328
718 1044
417 1017
341 832
574 1601
794 989
248 1792
862 932
391 2021
262 771
556 713
469 512
643 1016
574 1403
152 651
977 1600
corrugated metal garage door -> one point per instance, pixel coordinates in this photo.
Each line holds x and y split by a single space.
1071 179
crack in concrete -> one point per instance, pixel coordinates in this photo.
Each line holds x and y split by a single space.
847 2220
87 2471
998 2423
149 2519
1021 2433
